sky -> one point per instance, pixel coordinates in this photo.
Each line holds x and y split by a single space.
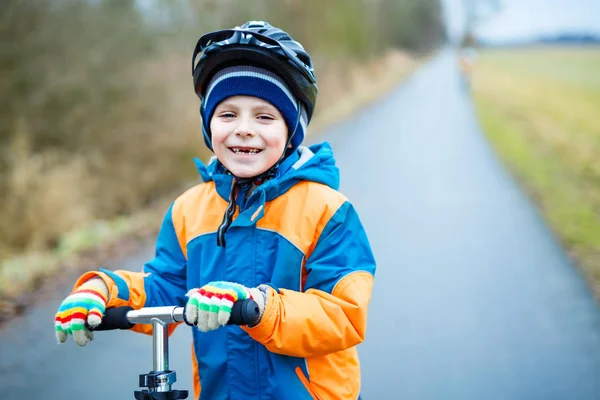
524 19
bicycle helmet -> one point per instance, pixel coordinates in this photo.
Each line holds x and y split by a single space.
258 44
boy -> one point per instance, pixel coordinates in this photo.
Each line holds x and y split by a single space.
267 223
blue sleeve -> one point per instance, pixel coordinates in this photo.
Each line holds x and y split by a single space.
166 284
342 248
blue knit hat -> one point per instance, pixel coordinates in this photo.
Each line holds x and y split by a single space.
244 80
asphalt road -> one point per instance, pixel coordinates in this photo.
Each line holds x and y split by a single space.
473 298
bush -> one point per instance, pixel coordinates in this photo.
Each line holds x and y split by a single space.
98 114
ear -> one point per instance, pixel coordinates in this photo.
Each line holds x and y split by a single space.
289 146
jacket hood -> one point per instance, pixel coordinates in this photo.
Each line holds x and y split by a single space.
315 163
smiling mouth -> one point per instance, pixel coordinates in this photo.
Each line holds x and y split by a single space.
245 150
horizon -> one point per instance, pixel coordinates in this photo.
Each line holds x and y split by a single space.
524 21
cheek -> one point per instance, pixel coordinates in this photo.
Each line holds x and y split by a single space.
278 144
217 133
278 138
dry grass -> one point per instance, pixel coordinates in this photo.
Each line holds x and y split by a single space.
56 201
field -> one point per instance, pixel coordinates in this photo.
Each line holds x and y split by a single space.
540 108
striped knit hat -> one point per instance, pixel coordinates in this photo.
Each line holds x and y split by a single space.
244 80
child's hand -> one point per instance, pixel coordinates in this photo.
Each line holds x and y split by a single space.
210 306
86 304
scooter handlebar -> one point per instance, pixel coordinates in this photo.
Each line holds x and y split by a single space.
243 312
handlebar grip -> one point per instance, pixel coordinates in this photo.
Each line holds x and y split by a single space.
245 312
115 318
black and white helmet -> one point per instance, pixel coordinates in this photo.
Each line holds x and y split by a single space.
262 45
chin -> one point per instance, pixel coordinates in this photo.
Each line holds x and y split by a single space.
243 174
246 173
248 170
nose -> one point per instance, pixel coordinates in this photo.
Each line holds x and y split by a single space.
244 127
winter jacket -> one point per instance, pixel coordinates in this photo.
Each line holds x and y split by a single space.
297 234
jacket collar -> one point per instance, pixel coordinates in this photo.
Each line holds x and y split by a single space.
314 163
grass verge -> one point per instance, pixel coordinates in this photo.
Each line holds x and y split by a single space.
539 108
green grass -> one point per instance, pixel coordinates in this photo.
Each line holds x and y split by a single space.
539 107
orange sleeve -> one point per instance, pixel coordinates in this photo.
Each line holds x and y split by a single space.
137 295
315 322
135 284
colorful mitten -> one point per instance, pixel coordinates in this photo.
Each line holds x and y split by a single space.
210 306
86 304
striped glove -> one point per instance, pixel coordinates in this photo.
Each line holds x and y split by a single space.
86 304
210 306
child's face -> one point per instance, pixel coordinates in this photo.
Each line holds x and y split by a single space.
248 135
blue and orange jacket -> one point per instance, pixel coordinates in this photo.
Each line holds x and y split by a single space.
299 235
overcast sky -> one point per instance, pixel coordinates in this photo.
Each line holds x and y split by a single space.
522 19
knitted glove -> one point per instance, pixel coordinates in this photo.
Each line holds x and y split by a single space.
210 306
86 304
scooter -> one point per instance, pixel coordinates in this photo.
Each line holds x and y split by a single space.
157 383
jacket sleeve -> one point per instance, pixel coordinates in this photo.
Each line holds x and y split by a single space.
162 281
331 314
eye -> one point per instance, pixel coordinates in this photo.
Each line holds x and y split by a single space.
226 115
265 117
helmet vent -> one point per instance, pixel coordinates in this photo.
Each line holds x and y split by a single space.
254 24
